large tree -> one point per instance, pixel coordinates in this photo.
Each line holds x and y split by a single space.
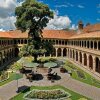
33 16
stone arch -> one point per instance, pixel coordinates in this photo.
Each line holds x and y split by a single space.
95 45
73 54
63 42
76 55
59 52
21 41
90 62
64 52
85 59
4 56
53 53
91 44
56 41
16 52
97 67
80 43
10 55
87 44
80 55
59 42
25 41
84 43
99 45
70 53
18 41
7 54
0 58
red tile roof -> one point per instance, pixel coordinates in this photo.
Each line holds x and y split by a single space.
5 35
57 34
92 28
86 35
18 34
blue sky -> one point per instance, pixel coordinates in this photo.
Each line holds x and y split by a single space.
67 13
85 10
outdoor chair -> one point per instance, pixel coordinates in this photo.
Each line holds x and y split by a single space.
63 70
55 76
22 70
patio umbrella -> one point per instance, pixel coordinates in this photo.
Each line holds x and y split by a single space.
50 64
30 64
22 60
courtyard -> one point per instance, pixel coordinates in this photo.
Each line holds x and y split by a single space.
74 80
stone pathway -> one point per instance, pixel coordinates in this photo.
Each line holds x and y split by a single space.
9 90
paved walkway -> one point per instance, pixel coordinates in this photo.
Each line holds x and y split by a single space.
9 90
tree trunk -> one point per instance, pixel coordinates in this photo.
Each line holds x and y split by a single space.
35 58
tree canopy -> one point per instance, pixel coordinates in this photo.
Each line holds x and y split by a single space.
33 16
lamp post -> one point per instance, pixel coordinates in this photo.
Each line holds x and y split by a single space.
17 82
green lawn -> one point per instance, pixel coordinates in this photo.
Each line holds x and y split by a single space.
88 78
74 96
12 76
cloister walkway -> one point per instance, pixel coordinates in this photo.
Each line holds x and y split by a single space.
9 90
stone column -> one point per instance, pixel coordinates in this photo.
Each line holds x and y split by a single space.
1 60
97 46
50 55
93 45
88 61
44 55
75 56
62 52
56 51
83 59
94 63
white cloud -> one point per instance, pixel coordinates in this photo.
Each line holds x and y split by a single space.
98 11
7 23
73 27
7 10
7 7
69 4
80 6
59 6
1 30
98 6
65 5
98 19
59 22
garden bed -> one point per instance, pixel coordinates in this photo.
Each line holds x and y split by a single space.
47 94
3 76
81 74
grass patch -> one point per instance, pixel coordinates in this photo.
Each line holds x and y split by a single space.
96 82
74 96
87 78
12 76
